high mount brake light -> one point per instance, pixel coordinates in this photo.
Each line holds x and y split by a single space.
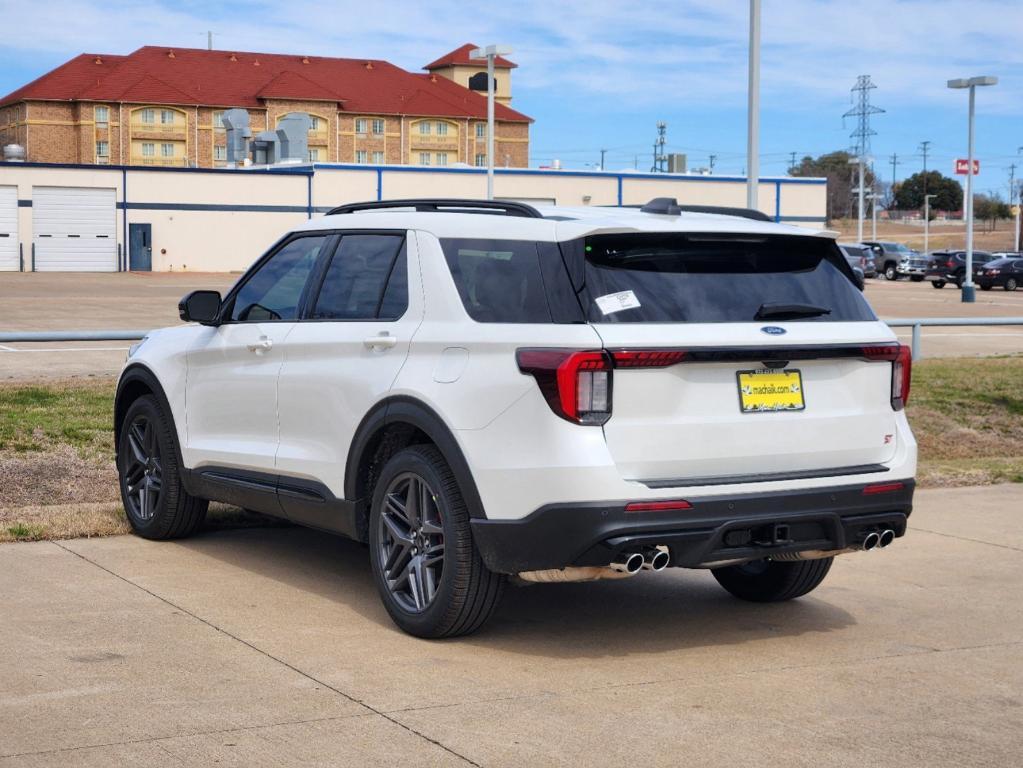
901 358
576 384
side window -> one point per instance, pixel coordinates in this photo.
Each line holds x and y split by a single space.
498 280
367 280
274 291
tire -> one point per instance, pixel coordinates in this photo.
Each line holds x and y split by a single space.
155 501
917 278
890 272
767 581
1011 284
938 284
464 591
985 287
959 280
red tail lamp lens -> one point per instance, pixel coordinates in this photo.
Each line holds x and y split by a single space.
873 490
576 384
647 358
657 506
901 358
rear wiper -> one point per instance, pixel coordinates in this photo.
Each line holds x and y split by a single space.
789 311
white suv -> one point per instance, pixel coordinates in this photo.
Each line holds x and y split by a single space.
480 390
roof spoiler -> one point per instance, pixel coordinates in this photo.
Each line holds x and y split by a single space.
669 206
444 205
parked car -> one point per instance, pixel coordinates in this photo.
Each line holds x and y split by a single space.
950 267
481 389
895 260
1006 272
860 260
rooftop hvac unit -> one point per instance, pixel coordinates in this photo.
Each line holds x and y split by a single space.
676 163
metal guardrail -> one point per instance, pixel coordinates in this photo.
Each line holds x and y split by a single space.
916 323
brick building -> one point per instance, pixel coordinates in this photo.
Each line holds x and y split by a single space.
163 107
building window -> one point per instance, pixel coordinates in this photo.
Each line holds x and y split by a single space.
167 117
149 116
360 156
102 115
378 127
442 129
148 149
481 160
424 128
314 155
424 158
360 125
167 150
218 120
314 123
378 158
220 153
442 158
481 130
102 151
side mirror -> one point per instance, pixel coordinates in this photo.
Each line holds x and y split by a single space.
200 307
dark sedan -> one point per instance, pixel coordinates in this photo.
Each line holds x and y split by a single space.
950 267
1006 272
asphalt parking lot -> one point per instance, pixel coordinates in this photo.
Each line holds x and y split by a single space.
72 301
265 646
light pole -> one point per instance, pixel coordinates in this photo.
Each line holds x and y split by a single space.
969 292
927 221
873 215
753 109
490 53
860 161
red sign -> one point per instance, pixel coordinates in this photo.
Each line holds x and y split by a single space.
962 165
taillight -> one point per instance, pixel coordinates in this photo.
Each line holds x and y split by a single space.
950 263
576 384
647 358
901 359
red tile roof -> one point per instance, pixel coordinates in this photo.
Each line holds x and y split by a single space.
461 56
184 76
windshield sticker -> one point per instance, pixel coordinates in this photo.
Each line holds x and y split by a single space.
616 302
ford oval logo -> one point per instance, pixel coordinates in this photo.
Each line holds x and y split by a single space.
772 330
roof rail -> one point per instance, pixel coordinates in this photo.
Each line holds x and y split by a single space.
670 206
444 205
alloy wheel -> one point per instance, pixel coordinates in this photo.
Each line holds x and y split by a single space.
143 471
411 542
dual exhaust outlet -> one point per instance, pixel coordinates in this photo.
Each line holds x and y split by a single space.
625 565
652 559
878 539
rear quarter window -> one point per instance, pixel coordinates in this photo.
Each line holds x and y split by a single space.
640 278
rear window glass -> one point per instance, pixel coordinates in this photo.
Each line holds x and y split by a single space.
498 280
716 279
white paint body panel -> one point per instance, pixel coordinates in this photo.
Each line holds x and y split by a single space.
74 229
9 257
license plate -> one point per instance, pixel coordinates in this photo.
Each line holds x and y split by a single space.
766 390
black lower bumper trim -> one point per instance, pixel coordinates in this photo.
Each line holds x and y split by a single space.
718 528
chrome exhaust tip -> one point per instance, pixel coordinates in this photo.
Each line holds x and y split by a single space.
656 560
628 562
871 540
885 538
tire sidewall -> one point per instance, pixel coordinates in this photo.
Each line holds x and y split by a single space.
1011 284
452 512
154 527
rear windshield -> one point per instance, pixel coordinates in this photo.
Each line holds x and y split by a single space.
716 279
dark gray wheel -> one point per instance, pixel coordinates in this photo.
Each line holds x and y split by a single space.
767 581
156 503
938 284
1011 284
427 569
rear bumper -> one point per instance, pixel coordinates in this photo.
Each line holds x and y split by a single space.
744 526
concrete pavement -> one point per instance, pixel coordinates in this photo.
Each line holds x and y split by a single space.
270 647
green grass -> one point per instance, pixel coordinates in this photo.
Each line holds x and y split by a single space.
26 532
79 414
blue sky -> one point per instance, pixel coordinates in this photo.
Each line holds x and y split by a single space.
600 73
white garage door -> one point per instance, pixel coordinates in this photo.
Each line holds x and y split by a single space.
74 229
9 230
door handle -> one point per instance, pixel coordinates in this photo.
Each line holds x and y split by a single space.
383 341
261 346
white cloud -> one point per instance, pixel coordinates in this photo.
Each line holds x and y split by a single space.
638 53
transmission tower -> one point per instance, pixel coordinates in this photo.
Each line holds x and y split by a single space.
660 159
862 110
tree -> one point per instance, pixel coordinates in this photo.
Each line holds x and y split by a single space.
990 208
842 181
910 193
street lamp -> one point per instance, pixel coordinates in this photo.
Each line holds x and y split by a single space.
969 292
753 109
490 53
860 161
873 197
927 221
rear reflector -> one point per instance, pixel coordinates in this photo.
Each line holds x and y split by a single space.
871 490
657 506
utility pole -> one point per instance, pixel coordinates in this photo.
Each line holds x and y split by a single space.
894 161
753 109
924 145
792 161
659 157
862 133
209 40
713 158
602 153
